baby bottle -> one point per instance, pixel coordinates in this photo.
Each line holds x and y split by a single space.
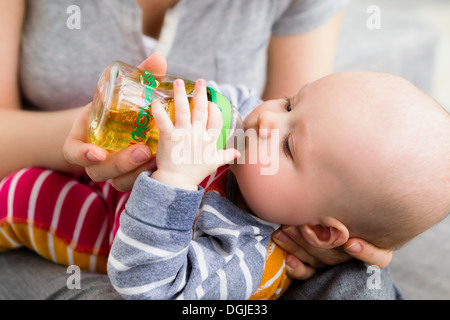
121 112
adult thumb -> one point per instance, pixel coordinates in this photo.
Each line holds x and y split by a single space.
155 63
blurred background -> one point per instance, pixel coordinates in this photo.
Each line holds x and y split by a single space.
437 14
413 41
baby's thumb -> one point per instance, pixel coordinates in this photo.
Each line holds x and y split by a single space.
227 156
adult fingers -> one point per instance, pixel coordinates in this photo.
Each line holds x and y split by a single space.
76 149
293 247
120 163
156 64
329 257
125 182
367 252
298 270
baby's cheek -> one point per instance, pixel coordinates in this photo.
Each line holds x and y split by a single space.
264 199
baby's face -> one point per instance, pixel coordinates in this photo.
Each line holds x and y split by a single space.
316 140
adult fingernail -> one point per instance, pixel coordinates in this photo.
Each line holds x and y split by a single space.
139 155
292 231
291 262
354 248
280 235
94 156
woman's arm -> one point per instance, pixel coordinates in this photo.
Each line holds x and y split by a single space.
35 139
299 59
26 138
12 15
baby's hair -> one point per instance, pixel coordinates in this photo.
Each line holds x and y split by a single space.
415 183
390 224
414 197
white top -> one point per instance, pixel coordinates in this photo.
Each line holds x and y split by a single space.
149 44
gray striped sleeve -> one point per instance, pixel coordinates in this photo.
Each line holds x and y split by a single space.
158 255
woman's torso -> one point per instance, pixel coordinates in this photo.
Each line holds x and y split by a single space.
65 46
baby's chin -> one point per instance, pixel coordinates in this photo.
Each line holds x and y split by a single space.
238 165
239 171
234 166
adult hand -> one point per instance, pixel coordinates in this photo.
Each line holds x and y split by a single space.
303 259
122 167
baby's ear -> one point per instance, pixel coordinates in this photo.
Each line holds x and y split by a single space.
330 233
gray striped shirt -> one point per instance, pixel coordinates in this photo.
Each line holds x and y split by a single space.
158 255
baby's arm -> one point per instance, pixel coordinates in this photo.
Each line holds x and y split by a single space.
148 255
157 255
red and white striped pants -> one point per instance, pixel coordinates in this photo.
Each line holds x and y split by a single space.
66 220
73 221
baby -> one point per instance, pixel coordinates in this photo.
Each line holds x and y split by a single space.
356 154
359 154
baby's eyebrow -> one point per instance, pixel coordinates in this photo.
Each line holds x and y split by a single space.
300 145
300 134
297 97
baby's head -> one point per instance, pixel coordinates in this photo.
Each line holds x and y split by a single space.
361 154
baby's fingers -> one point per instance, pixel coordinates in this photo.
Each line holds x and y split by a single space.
200 100
182 108
162 120
215 121
226 156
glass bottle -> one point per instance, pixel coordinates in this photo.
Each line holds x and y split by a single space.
121 112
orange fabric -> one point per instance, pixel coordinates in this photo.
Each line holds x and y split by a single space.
274 280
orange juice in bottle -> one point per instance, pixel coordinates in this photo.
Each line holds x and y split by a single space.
121 112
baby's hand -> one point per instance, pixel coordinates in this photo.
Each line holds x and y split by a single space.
187 151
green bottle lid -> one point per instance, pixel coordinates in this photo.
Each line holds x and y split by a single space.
225 108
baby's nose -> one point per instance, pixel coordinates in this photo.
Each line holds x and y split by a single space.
266 123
